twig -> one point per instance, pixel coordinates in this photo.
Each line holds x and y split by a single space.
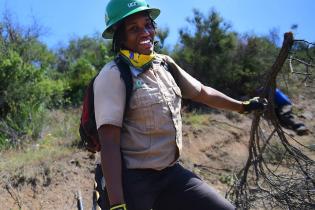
13 194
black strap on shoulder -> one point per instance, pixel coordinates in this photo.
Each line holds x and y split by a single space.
125 74
168 67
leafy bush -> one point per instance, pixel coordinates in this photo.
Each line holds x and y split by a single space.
218 57
25 88
79 62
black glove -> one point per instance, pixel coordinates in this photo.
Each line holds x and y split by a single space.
119 207
255 104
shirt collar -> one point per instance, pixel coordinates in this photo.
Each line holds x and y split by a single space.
135 71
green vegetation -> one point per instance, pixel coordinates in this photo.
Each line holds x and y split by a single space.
195 119
35 80
59 137
26 90
227 179
221 58
78 63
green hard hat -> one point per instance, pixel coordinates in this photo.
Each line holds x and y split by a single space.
117 10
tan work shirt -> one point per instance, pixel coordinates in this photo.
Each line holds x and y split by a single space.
151 134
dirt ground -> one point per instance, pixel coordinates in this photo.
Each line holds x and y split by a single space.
53 186
214 150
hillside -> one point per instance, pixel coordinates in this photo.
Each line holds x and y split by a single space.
215 146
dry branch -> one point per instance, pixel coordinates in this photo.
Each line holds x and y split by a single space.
286 178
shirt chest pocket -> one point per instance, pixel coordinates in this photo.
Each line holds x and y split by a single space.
143 107
144 98
173 94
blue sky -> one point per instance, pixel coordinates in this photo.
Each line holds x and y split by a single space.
65 19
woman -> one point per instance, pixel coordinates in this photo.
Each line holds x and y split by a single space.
140 147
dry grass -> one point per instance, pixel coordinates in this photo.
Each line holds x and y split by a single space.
59 135
196 120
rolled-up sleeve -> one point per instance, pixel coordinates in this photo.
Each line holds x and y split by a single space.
190 87
109 96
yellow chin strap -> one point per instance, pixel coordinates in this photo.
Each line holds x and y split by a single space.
136 59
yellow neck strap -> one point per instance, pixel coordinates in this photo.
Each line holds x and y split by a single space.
136 59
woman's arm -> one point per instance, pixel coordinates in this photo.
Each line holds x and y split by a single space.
216 99
109 136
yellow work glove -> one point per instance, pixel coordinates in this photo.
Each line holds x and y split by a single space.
119 207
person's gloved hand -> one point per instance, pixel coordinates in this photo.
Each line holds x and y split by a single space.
254 104
118 207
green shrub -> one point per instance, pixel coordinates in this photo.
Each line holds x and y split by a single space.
78 63
26 88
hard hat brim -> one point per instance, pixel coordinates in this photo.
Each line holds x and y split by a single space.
109 31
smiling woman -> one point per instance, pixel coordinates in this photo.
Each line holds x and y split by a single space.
141 138
139 33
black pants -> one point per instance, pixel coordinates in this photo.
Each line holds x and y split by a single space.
288 120
174 188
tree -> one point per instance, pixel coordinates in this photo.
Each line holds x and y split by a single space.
207 50
218 57
79 62
25 88
255 55
161 35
